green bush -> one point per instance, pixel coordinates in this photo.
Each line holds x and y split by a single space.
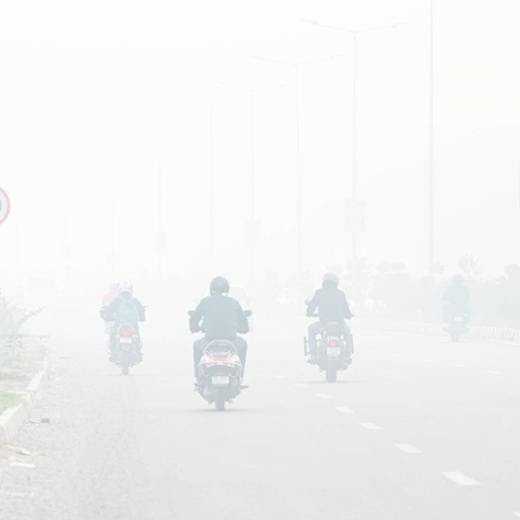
12 320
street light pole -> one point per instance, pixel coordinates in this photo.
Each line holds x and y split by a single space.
354 145
431 137
253 228
297 65
252 152
211 187
298 169
160 245
354 190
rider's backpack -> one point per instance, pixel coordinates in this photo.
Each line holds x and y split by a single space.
127 311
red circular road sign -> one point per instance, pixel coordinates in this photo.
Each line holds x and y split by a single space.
5 206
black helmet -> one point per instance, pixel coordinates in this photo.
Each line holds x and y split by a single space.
219 285
330 278
458 279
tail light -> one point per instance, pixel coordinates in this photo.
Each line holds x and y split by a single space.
333 342
222 358
126 332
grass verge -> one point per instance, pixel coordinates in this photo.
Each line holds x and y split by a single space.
9 400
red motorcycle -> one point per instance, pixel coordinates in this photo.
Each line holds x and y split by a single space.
126 348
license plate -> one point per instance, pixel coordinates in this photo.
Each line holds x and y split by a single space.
220 380
125 341
333 351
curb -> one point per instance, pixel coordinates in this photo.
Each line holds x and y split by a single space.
508 335
12 419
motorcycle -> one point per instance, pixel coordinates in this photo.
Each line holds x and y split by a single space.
457 326
219 372
333 351
126 348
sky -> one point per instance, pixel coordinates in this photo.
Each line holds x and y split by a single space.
105 135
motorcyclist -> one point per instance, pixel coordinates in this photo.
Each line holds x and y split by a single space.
220 317
125 309
332 307
456 299
108 298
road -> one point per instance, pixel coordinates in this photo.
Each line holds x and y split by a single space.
418 428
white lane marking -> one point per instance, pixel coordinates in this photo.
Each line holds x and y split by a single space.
459 366
301 385
408 448
371 426
344 409
22 465
494 372
324 396
16 494
517 514
428 360
278 376
460 479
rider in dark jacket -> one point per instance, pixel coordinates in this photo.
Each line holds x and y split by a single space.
456 299
220 317
332 306
124 309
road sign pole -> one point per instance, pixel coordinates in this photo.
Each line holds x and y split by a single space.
5 206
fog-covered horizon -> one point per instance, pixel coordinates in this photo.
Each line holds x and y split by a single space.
106 105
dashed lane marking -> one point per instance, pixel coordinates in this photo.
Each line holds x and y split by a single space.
460 479
324 396
278 376
494 372
301 385
408 448
344 409
15 494
22 465
371 426
516 514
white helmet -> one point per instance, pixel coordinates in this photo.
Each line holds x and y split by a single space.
126 287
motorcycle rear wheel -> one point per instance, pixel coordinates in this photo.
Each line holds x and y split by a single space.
332 374
220 401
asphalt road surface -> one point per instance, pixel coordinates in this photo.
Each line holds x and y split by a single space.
419 428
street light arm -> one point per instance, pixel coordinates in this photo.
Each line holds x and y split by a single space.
298 63
233 86
315 23
251 90
378 28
